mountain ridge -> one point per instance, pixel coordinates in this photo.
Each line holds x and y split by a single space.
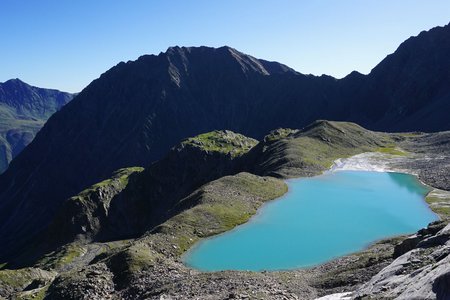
23 111
133 113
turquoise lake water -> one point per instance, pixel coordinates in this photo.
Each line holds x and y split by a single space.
320 218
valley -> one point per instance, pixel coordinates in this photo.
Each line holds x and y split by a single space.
150 266
23 111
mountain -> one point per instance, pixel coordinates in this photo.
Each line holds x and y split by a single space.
136 111
23 111
409 89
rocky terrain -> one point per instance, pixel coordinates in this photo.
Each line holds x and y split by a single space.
136 111
421 272
23 111
86 258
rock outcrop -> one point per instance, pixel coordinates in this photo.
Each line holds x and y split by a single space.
421 273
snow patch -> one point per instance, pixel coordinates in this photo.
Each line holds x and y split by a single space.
369 161
373 162
337 296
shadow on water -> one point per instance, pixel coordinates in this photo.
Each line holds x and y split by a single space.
409 182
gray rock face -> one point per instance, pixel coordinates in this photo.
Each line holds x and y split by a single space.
421 273
422 235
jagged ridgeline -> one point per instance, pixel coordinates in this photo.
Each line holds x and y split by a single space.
135 112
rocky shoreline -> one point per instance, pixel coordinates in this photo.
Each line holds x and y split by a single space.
150 267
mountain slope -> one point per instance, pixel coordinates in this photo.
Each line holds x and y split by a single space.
163 222
23 111
136 111
409 89
134 201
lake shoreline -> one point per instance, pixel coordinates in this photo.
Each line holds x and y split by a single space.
293 223
381 162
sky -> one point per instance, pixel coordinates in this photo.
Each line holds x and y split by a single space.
65 44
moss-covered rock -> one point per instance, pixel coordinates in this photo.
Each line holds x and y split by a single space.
14 281
61 257
223 141
81 216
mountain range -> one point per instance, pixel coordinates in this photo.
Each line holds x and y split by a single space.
136 111
23 111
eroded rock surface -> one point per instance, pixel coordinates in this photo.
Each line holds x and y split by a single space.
421 273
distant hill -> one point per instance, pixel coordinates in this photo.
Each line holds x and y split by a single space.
136 111
23 111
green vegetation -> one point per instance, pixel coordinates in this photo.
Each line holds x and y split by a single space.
439 202
314 149
222 141
87 218
278 134
15 278
18 279
61 257
136 257
411 134
119 177
392 150
23 115
222 205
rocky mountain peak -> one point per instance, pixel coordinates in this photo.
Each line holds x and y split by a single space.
183 58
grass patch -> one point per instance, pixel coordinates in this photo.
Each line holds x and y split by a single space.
391 151
442 211
15 278
138 256
20 278
440 206
130 260
221 205
226 142
120 177
411 134
64 255
314 148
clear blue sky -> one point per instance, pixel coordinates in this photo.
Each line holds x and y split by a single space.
65 44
